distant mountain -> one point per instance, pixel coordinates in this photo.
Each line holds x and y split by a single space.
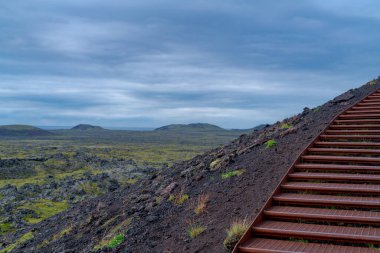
86 127
259 127
22 130
190 127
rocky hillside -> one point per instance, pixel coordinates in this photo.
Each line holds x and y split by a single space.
22 130
161 212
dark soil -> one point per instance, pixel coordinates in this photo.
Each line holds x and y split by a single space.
161 226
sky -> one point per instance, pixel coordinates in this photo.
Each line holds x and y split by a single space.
236 64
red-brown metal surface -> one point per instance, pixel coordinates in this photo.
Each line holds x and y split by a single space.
329 200
261 245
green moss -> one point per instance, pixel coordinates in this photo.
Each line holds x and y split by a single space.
24 238
6 227
214 165
317 109
286 126
270 143
116 241
232 173
178 199
55 163
63 232
91 188
373 82
44 209
113 237
158 200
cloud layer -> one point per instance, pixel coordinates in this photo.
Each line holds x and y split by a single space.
148 63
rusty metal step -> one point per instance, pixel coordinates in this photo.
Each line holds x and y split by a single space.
368 103
363 126
346 137
360 116
263 245
335 177
318 232
333 187
347 144
345 151
322 214
327 200
337 167
356 121
365 108
353 132
368 111
332 158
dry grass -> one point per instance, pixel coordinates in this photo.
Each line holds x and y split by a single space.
235 232
201 203
195 230
178 198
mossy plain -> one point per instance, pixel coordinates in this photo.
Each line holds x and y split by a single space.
76 156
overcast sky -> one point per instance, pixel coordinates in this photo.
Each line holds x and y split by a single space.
144 63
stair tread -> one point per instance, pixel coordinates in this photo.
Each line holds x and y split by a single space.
334 176
363 126
367 111
360 116
261 245
359 188
350 131
316 166
327 199
324 214
347 144
360 121
344 136
345 150
334 158
325 232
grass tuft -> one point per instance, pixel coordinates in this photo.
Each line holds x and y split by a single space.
214 165
286 126
201 203
195 230
270 143
233 173
235 232
178 198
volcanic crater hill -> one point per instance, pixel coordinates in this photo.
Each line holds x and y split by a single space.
86 127
22 131
156 214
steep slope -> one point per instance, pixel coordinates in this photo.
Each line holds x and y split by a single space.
155 215
22 130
